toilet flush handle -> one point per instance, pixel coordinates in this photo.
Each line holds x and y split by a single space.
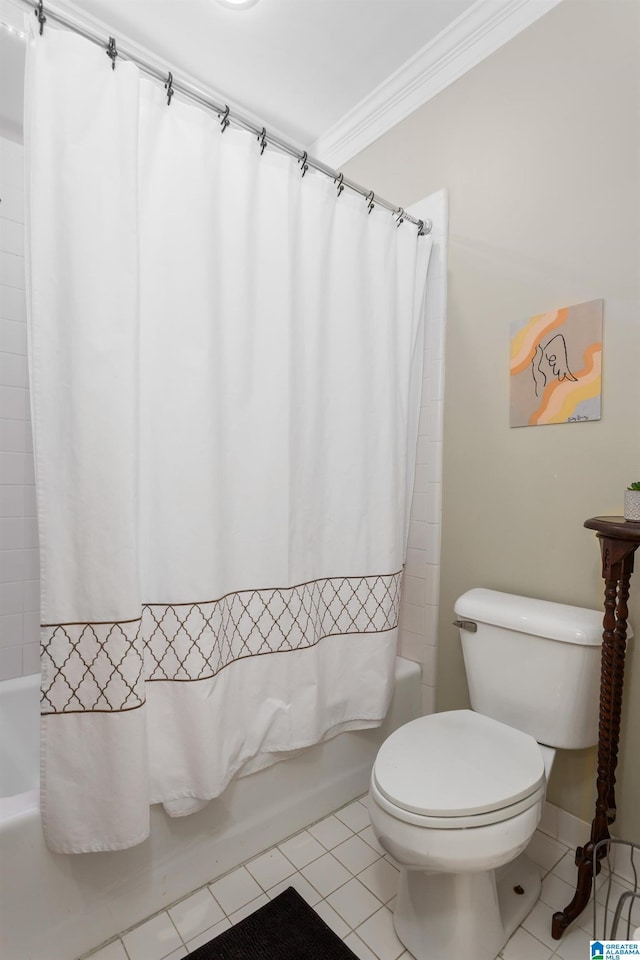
467 625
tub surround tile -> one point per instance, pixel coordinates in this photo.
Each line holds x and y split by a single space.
11 598
11 565
413 589
13 530
30 658
12 468
420 478
412 618
12 402
10 629
13 336
16 447
10 662
415 563
31 597
434 462
418 511
11 504
411 646
418 534
31 627
428 700
12 533
430 666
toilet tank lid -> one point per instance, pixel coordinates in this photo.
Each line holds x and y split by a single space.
542 618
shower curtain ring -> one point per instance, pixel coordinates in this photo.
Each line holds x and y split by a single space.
370 199
169 88
339 180
112 53
303 162
421 232
262 140
39 12
399 216
224 119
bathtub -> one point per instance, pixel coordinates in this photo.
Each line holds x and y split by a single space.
56 907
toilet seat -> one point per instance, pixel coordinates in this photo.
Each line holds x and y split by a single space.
457 769
456 823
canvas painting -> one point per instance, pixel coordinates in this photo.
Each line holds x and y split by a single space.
556 361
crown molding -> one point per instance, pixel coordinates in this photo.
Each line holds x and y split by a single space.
476 34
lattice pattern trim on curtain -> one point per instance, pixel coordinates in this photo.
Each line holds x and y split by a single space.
103 667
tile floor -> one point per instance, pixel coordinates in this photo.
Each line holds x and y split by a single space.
339 869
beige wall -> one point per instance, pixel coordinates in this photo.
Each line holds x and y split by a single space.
539 147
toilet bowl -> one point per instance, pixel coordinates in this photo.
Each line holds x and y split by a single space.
455 797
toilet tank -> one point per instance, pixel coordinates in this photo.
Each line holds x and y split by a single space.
533 664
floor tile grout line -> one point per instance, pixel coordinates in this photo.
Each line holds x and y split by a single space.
297 872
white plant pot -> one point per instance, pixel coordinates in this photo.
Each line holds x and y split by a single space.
632 505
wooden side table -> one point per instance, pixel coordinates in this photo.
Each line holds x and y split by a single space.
619 540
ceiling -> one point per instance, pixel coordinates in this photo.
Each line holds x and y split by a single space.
298 67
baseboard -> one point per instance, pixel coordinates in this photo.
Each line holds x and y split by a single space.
573 832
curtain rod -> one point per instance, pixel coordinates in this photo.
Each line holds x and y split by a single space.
226 116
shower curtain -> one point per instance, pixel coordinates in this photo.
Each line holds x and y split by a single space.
226 361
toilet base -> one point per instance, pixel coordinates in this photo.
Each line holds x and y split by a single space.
464 914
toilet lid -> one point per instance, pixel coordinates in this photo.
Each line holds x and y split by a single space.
457 763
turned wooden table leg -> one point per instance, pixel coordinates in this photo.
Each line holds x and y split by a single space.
617 567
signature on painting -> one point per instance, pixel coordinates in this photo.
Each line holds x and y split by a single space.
550 360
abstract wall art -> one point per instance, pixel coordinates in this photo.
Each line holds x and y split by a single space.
556 361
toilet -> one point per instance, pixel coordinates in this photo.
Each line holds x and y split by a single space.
455 797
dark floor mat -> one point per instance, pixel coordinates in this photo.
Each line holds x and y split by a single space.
287 928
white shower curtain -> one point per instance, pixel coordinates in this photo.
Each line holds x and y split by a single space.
226 363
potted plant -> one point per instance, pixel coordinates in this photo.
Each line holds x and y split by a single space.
632 502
